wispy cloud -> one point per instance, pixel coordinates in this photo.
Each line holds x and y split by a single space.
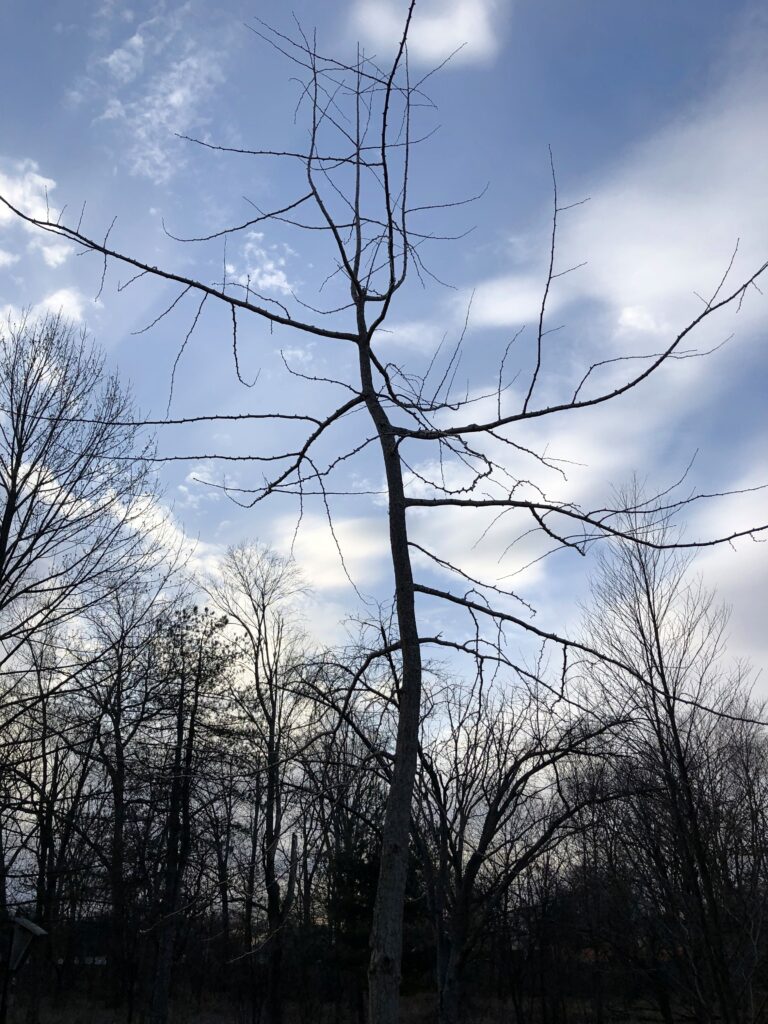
54 253
169 106
152 86
264 266
127 61
419 336
661 225
196 491
29 191
439 28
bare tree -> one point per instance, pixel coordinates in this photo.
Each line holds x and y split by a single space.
691 760
122 695
252 590
194 659
75 494
356 194
493 796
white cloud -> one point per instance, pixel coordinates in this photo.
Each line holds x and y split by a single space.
153 86
69 302
196 490
439 27
422 336
29 191
661 225
506 301
665 223
739 571
363 542
323 618
127 61
265 266
636 318
9 314
54 253
26 189
169 106
303 355
158 523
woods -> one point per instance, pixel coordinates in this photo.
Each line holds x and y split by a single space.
196 816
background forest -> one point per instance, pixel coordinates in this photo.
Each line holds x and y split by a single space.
192 794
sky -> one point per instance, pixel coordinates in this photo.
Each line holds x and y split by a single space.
654 112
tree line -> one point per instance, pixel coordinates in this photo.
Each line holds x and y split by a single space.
192 791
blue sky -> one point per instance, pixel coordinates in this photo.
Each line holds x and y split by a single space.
655 111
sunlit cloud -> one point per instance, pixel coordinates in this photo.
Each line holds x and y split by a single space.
169 106
26 189
358 549
471 27
661 226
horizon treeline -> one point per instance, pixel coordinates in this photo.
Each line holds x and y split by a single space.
192 789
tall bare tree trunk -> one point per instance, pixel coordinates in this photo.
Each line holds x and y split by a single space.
386 939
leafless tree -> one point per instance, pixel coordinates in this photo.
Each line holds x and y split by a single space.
122 695
76 498
356 194
253 589
493 796
194 657
691 760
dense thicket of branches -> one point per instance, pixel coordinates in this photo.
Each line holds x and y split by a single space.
197 822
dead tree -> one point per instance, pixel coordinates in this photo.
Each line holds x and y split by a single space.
356 194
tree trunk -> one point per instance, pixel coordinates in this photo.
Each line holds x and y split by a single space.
450 992
386 939
118 981
3 876
161 986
